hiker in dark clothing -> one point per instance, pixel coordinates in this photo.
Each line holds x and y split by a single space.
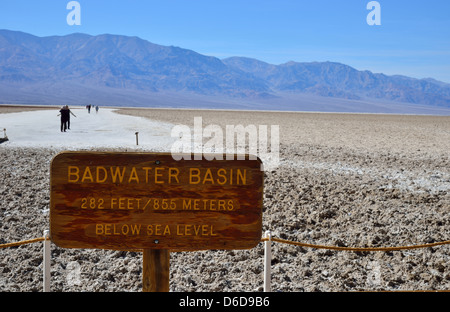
65 118
64 113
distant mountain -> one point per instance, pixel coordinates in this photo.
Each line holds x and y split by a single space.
121 70
116 62
342 81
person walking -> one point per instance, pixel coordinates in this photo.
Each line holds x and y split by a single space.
63 112
65 118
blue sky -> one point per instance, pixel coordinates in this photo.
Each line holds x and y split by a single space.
413 38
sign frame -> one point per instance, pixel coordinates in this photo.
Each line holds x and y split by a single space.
219 208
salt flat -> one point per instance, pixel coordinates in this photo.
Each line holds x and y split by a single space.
41 128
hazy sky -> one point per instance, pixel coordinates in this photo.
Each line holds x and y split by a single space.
413 38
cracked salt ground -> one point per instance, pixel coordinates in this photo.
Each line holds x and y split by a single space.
348 203
432 182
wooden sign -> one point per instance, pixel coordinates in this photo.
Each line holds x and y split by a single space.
138 201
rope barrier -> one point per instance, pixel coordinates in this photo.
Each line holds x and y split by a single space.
273 239
283 241
267 258
23 242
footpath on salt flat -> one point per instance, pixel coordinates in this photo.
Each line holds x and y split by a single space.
87 130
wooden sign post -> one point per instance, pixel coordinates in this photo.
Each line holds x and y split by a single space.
155 271
152 203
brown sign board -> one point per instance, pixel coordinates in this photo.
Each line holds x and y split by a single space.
135 201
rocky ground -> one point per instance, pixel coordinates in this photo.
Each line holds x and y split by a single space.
343 180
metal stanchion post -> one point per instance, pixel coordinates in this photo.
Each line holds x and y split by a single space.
46 262
267 261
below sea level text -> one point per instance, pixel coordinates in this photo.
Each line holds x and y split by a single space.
108 229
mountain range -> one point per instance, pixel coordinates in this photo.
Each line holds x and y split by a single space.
129 71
